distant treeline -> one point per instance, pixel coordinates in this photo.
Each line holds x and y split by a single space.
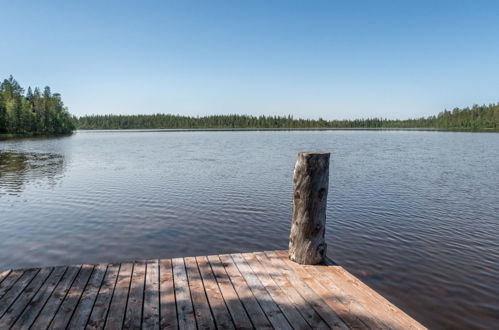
32 113
36 112
475 118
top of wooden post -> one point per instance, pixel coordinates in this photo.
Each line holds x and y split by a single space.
305 153
307 156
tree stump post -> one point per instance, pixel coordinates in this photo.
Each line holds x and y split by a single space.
310 184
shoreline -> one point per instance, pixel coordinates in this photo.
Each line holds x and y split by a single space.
8 136
481 130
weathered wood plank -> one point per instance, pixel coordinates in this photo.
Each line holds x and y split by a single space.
315 299
100 309
9 281
36 304
260 290
201 307
151 296
274 314
22 301
348 308
117 308
63 315
360 303
376 304
333 301
278 295
219 309
87 300
255 312
4 274
185 309
11 295
52 305
167 302
236 309
133 315
302 305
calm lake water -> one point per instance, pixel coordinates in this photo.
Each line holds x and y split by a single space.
413 214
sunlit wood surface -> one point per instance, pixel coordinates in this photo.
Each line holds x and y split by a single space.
262 290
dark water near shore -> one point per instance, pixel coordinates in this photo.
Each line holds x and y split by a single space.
413 214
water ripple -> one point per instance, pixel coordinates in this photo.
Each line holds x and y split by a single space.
414 214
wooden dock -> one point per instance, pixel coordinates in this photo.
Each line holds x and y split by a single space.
263 290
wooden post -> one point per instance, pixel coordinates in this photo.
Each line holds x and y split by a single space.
311 181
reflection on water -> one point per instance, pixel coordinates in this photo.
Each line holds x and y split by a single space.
19 168
414 214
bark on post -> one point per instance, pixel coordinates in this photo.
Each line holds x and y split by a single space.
311 181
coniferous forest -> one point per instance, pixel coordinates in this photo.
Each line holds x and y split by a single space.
484 117
35 112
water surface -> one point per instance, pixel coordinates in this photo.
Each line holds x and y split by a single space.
413 214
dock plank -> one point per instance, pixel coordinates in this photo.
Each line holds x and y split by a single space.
316 300
302 305
16 309
9 281
87 300
199 300
4 274
274 313
151 296
185 309
36 304
11 295
278 295
116 313
377 305
333 300
257 290
100 309
236 308
52 305
167 299
133 315
347 307
255 312
63 315
220 312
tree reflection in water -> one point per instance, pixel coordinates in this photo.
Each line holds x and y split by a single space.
17 169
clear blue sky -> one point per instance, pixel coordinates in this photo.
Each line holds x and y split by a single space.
348 59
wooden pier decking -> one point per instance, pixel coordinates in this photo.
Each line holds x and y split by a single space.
262 290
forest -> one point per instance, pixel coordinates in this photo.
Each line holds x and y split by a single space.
485 117
37 112
33 112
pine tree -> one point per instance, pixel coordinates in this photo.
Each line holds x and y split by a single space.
32 113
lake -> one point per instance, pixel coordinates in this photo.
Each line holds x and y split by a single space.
414 214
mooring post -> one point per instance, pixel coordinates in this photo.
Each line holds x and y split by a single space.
310 185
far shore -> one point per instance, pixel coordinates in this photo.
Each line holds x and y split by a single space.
481 130
4 137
